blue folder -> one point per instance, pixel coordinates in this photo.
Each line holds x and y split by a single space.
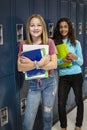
35 73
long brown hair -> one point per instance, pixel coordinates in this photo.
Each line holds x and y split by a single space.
71 34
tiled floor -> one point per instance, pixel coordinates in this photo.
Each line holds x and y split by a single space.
71 119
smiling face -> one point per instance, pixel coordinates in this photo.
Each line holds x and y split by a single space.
64 29
35 28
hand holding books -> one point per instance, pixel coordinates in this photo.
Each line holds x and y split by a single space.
25 60
71 56
44 60
67 59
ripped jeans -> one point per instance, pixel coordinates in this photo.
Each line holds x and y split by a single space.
43 92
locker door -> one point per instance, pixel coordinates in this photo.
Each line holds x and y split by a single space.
51 11
73 13
6 49
64 8
39 7
80 22
22 11
8 109
85 52
85 36
51 16
82 35
80 26
21 14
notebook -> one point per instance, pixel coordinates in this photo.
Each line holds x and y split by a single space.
33 47
62 52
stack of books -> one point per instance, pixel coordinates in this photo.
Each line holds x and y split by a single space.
35 52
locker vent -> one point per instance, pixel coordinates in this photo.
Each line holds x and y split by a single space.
19 31
4 116
23 105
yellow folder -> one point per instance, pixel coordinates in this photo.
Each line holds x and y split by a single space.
62 52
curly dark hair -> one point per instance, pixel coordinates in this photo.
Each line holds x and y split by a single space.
57 37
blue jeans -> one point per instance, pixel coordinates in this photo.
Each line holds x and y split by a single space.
43 92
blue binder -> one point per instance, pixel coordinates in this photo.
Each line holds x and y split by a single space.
35 73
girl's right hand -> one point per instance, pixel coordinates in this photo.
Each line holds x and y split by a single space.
25 60
67 60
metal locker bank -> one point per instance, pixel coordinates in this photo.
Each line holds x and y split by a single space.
13 87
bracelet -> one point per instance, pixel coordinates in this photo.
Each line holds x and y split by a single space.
36 65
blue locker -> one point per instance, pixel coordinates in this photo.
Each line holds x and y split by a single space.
85 36
81 34
21 15
64 8
73 13
6 50
21 11
51 11
39 7
8 104
80 22
85 51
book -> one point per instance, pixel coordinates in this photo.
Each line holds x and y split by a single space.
35 54
62 52
33 47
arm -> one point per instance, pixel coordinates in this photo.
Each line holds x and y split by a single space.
25 64
76 57
62 60
52 64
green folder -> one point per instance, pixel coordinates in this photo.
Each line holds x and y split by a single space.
62 52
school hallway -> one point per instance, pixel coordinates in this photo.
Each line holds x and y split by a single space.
71 119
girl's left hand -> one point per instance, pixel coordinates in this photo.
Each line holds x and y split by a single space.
45 60
72 56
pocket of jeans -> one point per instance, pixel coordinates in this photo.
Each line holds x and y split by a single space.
32 84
